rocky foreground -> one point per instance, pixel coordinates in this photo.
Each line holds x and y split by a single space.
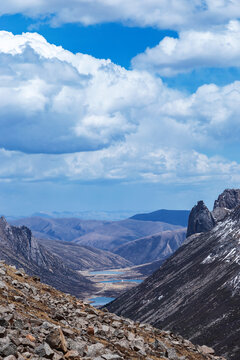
39 322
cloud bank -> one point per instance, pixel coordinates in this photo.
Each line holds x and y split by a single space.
164 14
218 47
77 118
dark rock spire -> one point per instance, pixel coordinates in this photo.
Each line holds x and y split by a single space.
200 219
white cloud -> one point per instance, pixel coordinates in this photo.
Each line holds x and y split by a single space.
174 14
74 117
52 101
218 47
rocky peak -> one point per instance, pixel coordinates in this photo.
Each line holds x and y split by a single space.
229 199
20 248
200 219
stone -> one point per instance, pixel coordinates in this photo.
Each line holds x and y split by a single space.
44 350
90 330
53 339
72 355
31 338
95 349
64 346
3 286
2 331
207 350
8 349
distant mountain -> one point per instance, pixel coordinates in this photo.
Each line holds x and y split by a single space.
196 292
109 236
83 257
20 248
174 217
86 215
154 247
66 229
106 235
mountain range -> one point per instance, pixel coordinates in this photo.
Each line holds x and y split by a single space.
98 245
196 292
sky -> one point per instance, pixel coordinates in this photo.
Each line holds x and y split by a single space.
111 105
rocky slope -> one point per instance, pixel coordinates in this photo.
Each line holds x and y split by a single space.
38 322
84 257
20 248
151 248
196 292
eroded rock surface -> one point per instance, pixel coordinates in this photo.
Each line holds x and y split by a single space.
200 219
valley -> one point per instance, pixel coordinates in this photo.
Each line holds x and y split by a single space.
111 283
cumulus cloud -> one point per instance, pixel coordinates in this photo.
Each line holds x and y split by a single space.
164 14
52 101
218 47
74 117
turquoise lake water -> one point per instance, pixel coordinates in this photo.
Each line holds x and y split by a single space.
100 301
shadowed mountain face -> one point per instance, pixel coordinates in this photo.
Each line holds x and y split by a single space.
83 257
200 219
174 217
154 247
196 292
18 247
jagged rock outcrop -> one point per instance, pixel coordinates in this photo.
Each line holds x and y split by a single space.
196 292
38 322
200 219
20 248
229 199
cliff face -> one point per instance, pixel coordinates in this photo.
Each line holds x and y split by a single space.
203 220
229 199
200 219
19 247
38 322
196 292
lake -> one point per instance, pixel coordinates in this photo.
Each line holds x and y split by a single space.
100 301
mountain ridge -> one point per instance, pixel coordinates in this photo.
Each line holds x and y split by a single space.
196 292
20 248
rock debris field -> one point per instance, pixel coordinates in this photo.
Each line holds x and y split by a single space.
39 322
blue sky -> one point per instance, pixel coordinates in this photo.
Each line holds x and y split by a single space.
107 105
